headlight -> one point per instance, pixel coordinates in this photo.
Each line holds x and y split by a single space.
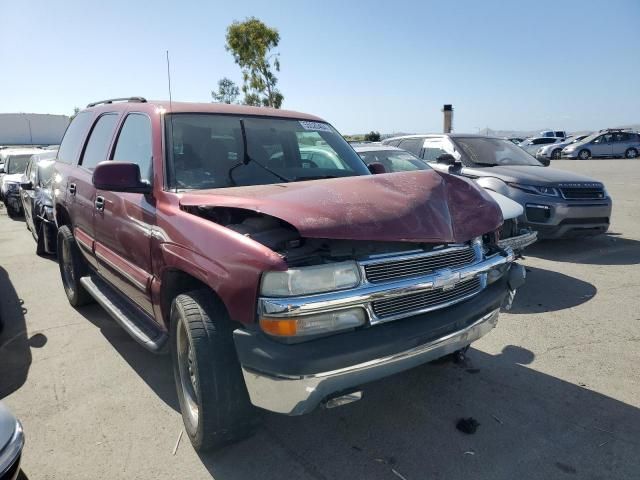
568 149
536 190
316 324
308 280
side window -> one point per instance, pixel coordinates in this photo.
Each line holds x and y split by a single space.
134 144
413 145
73 137
394 143
599 140
99 140
433 148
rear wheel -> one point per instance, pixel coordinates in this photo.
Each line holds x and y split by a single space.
72 268
631 153
215 405
555 155
584 154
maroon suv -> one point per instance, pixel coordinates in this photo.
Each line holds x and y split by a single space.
256 245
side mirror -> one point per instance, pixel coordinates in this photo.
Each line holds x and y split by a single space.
2 168
447 159
544 161
26 186
376 168
119 177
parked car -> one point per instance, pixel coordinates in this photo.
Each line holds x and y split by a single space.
553 151
275 284
394 159
532 145
557 203
37 201
605 143
554 133
516 140
15 164
11 444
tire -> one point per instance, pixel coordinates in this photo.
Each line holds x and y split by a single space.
556 154
584 154
40 250
215 405
72 268
631 153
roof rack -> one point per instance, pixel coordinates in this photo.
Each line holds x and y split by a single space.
614 129
124 99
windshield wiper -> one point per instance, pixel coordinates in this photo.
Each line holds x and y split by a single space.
314 177
481 164
247 158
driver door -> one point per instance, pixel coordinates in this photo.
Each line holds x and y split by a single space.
602 146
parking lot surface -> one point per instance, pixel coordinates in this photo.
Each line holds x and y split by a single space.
555 387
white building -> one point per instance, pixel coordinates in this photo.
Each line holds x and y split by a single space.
32 128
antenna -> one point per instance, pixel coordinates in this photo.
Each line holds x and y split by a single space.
172 152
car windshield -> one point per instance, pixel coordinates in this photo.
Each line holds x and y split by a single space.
17 164
207 151
490 152
394 160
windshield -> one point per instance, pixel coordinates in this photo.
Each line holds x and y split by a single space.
489 152
17 164
394 160
206 151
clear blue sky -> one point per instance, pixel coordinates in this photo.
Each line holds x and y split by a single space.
387 66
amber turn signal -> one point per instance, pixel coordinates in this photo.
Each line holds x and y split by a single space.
279 327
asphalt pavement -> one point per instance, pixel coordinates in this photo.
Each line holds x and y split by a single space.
555 387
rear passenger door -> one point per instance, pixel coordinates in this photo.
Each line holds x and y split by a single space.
81 192
123 224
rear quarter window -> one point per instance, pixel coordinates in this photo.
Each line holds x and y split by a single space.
73 138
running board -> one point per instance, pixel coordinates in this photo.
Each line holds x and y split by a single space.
130 317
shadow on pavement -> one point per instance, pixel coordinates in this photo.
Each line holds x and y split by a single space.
609 249
532 425
15 345
154 369
536 296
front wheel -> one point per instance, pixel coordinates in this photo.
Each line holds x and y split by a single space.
556 154
40 250
215 405
631 153
584 154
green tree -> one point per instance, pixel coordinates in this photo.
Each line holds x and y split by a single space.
251 43
228 92
372 136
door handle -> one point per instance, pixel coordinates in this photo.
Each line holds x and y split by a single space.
72 188
99 204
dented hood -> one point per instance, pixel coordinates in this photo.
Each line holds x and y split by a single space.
423 206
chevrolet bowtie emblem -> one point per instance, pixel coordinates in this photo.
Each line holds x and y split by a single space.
446 279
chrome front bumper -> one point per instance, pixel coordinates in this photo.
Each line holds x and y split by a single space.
364 295
520 242
301 394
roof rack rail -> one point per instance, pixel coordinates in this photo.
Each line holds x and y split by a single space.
615 129
124 99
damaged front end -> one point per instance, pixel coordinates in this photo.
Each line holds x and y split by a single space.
349 310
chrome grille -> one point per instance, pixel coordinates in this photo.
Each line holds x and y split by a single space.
418 265
582 193
424 301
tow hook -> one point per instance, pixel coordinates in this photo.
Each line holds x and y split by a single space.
459 356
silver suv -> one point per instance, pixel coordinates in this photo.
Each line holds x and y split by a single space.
557 203
605 143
